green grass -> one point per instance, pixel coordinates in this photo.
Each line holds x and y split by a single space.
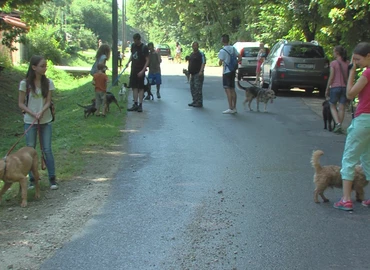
73 135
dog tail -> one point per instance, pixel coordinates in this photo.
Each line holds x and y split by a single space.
315 160
81 106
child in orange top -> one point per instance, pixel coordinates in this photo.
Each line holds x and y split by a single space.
100 81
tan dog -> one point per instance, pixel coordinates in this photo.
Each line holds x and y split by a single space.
329 176
260 94
15 167
187 74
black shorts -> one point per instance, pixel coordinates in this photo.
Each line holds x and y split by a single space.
135 81
228 80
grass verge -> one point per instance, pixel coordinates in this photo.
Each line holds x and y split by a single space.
74 137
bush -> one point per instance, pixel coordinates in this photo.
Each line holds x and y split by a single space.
41 41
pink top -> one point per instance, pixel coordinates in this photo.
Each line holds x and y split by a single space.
338 80
364 96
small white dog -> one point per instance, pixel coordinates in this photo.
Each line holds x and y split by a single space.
122 91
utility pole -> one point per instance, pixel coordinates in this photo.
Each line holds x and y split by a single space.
124 34
115 41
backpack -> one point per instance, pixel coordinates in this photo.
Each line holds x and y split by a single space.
233 64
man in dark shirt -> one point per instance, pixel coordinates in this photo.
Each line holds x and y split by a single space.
197 62
140 61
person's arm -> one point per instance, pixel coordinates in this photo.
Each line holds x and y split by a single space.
353 89
220 57
330 81
202 65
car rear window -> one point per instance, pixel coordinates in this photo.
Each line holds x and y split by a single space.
250 51
303 51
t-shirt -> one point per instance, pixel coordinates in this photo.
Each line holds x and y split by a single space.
100 80
138 54
225 56
196 60
154 63
339 80
36 103
364 96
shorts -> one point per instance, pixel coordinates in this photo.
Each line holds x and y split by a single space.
258 68
155 78
135 81
228 80
338 94
357 147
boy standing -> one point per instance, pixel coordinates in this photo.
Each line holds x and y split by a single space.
100 81
154 75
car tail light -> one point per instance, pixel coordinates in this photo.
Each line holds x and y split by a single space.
326 77
282 75
280 62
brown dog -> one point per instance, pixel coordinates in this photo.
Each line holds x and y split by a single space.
329 176
260 94
15 167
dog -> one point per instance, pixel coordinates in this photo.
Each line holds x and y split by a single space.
187 74
122 92
15 168
329 176
260 94
109 98
148 90
89 109
326 115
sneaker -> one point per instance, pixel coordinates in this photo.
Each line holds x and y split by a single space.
234 111
53 184
342 205
139 108
31 186
338 129
191 104
133 108
158 95
228 111
366 203
198 105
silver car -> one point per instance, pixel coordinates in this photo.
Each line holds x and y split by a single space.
248 51
296 64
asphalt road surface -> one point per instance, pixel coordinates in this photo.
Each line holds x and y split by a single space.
198 189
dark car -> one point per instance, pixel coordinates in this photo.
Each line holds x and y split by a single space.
163 50
296 64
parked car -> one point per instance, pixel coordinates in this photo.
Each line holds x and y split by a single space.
248 50
296 64
163 50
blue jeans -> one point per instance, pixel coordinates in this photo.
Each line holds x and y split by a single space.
338 94
31 140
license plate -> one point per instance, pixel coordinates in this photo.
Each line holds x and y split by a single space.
305 66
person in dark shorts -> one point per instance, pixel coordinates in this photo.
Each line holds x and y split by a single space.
140 61
228 76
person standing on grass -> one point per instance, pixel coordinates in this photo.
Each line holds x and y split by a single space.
34 100
357 147
140 61
100 81
101 57
336 88
228 76
197 62
154 75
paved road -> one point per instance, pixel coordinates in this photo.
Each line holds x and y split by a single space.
201 190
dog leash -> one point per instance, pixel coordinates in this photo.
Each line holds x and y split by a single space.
116 80
43 161
11 149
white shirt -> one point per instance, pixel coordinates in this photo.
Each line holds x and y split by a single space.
36 103
225 56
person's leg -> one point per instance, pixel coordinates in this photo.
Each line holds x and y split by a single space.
104 103
341 111
159 82
198 95
46 137
342 104
98 103
233 98
31 140
192 89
